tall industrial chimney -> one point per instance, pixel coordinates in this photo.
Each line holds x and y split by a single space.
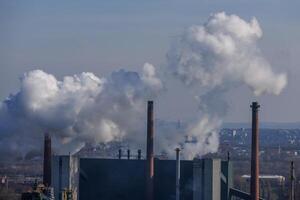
292 182
128 154
254 188
150 153
120 153
177 173
139 154
47 160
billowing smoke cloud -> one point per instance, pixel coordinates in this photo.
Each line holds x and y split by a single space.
80 108
216 57
211 58
224 50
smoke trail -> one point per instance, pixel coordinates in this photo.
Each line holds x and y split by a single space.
212 58
224 50
215 57
80 108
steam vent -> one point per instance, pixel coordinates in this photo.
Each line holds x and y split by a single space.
128 177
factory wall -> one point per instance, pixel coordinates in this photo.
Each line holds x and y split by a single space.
216 179
125 179
207 179
112 179
106 179
65 175
165 179
226 178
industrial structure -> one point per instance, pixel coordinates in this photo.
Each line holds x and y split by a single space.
292 182
254 184
125 179
92 178
43 191
136 178
177 173
47 160
39 192
150 153
65 177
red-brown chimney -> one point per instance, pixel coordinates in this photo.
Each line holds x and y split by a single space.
150 153
254 188
47 160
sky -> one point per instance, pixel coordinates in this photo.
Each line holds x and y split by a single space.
69 37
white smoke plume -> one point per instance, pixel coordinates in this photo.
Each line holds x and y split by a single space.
216 57
211 58
80 108
224 50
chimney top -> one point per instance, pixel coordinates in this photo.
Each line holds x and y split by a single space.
255 105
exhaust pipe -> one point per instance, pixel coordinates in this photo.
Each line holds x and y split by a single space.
47 161
128 154
120 153
254 189
139 154
150 153
177 173
292 182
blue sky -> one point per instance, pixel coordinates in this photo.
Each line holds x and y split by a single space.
68 37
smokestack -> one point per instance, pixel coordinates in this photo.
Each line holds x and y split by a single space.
254 191
139 154
228 156
227 177
150 153
47 160
177 173
292 186
69 185
128 154
120 153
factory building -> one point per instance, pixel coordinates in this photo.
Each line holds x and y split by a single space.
73 178
125 179
136 179
65 176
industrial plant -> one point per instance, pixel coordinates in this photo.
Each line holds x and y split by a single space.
149 100
128 177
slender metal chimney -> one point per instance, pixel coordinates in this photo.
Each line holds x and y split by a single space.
177 173
292 182
128 154
228 156
150 153
139 154
227 177
70 180
254 188
47 160
120 153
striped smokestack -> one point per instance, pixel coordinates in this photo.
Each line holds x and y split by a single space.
254 188
150 153
47 160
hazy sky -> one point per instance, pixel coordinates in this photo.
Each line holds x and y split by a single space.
68 37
